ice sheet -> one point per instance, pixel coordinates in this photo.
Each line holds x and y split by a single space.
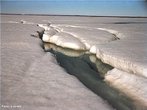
23 58
89 36
115 44
128 55
32 79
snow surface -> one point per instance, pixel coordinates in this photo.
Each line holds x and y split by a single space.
32 79
66 40
48 33
89 36
119 42
130 84
127 53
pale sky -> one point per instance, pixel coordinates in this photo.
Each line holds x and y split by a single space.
76 7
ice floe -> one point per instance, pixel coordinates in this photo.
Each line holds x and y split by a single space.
48 33
67 41
120 54
89 36
126 55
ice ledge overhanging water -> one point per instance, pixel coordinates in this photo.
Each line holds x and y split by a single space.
63 36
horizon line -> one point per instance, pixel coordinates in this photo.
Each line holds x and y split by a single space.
74 15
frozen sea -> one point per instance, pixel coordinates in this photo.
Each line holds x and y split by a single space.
27 72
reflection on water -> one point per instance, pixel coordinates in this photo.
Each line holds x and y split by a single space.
91 79
102 68
90 71
91 59
66 51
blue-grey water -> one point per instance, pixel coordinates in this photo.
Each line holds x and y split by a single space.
76 7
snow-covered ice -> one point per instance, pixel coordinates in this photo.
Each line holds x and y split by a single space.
119 42
32 79
66 40
89 36
128 55
129 84
48 33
